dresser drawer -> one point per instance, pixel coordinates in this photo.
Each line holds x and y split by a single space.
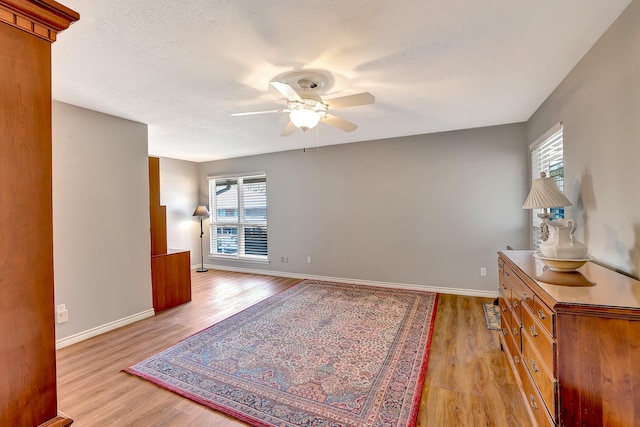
513 349
505 288
516 350
518 290
533 399
542 378
544 315
505 312
539 339
515 330
505 321
511 333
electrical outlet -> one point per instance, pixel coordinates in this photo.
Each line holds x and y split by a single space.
62 314
308 260
286 259
483 271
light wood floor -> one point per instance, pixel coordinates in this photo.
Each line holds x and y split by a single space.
468 382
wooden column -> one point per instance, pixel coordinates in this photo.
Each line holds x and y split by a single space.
158 213
27 329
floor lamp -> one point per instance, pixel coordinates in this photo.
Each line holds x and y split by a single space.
203 213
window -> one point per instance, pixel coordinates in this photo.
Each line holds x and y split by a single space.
547 156
238 208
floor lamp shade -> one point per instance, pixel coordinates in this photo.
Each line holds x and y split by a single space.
202 212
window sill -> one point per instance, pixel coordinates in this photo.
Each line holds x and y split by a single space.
240 259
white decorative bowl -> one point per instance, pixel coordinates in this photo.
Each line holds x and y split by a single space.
562 265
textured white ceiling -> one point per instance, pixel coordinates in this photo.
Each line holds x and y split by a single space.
433 65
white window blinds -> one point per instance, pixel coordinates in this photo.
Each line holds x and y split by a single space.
238 208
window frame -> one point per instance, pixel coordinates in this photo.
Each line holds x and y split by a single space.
546 154
241 223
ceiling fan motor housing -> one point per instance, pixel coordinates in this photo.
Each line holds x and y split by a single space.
306 84
305 106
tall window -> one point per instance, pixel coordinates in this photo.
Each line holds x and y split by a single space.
547 156
238 206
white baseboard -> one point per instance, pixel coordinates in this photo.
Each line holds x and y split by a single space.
64 342
442 290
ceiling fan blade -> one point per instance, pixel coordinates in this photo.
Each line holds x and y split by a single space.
289 129
350 100
282 110
286 90
339 123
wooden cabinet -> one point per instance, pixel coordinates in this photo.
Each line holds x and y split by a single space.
27 356
572 340
170 279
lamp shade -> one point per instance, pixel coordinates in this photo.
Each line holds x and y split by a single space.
202 211
545 194
304 118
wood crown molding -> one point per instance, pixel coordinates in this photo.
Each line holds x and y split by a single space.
42 18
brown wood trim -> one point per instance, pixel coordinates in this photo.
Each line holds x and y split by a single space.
598 311
154 181
157 212
42 18
58 421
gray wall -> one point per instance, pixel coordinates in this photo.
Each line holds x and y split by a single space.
179 193
599 105
100 219
427 210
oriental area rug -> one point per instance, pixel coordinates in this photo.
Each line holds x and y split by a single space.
491 316
316 354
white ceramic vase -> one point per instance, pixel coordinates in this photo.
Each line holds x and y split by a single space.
561 243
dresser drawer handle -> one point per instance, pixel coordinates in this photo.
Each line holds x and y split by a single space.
541 315
533 331
525 296
534 366
505 331
515 332
515 304
504 308
506 273
534 405
516 360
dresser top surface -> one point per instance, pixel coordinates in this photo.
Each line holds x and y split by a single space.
591 284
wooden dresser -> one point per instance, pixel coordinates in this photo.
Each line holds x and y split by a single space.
572 340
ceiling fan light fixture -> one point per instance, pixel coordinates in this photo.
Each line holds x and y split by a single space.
305 119
306 107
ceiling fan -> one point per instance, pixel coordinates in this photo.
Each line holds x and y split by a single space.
306 108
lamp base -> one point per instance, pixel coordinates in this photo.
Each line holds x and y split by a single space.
202 270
